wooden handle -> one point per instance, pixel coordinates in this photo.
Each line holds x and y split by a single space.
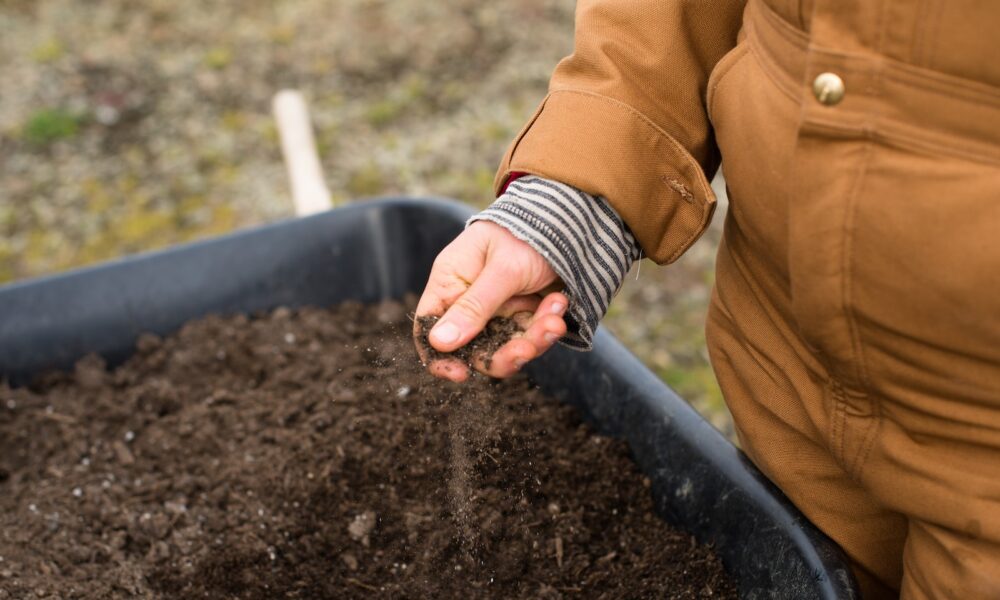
309 191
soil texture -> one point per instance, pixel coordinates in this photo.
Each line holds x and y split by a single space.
498 331
307 454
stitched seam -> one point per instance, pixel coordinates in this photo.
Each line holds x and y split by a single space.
833 419
837 430
853 467
943 84
893 133
920 25
734 58
933 38
847 262
856 461
882 27
770 67
797 36
706 213
509 158
847 266
869 442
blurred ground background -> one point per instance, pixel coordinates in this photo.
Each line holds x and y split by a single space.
127 126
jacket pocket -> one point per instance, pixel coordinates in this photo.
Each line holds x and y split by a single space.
718 75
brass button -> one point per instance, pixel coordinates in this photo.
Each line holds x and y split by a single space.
828 88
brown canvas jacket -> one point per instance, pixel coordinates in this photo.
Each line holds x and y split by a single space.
627 113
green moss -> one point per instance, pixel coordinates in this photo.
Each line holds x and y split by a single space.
383 112
234 120
415 88
483 181
140 227
366 181
50 125
326 138
454 91
269 131
332 101
225 173
7 258
222 219
99 199
406 97
472 186
47 52
495 131
218 57
39 247
7 219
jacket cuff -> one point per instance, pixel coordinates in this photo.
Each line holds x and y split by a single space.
582 238
606 148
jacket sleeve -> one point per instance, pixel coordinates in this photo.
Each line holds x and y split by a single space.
625 116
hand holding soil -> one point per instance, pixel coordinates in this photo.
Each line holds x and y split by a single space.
487 272
479 351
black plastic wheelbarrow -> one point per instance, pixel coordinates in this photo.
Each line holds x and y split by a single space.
384 249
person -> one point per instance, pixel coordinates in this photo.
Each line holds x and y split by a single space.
854 326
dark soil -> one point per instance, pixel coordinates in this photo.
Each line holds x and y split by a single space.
498 331
306 454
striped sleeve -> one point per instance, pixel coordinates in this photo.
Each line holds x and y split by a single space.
580 235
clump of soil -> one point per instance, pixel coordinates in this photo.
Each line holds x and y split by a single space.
498 331
307 454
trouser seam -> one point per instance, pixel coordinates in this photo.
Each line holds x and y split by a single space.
871 433
837 424
846 276
874 413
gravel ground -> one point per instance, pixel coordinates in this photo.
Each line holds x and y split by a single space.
127 126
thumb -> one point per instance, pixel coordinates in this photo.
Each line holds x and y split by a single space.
470 312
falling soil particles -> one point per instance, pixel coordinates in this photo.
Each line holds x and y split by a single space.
307 454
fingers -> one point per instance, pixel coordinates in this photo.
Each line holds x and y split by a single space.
508 359
547 324
541 331
470 312
485 271
449 368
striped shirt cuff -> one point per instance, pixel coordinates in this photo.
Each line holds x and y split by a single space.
580 235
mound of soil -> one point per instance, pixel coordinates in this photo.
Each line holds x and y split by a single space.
306 454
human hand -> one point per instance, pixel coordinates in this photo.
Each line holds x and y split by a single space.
486 271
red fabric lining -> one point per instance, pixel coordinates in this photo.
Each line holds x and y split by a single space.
514 176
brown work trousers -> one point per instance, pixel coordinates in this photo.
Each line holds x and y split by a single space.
855 324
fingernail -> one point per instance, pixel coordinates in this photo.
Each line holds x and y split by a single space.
445 333
519 362
557 308
550 337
